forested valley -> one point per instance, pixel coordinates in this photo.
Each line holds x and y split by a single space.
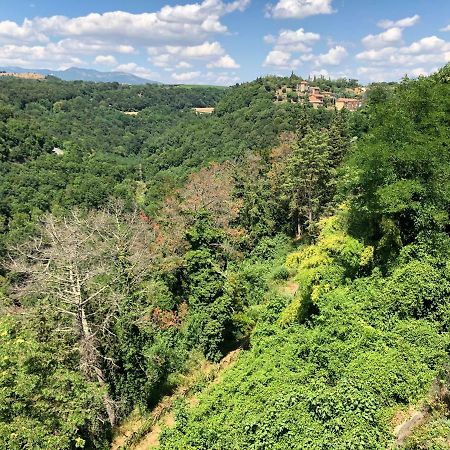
137 248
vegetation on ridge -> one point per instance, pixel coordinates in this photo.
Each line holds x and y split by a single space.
133 251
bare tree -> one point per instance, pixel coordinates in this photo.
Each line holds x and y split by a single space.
76 263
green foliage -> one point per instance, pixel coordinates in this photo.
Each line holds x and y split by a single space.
367 332
399 172
44 402
201 269
334 382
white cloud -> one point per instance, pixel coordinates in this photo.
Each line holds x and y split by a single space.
11 32
447 28
226 80
205 50
298 9
402 23
221 79
333 57
278 58
47 57
292 40
419 71
389 37
170 55
137 70
428 50
180 33
377 55
286 44
186 76
105 60
393 34
382 74
183 24
183 65
211 53
419 58
79 47
225 62
431 44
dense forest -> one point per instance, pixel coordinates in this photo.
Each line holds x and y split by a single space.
135 249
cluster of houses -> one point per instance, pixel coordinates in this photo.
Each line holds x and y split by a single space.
319 98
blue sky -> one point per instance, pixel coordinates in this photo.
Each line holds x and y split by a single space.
229 41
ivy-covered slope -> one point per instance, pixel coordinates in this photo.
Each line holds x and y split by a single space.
367 332
371 346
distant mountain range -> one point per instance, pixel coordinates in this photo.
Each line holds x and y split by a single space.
75 73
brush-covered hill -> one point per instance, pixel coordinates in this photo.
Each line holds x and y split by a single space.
149 246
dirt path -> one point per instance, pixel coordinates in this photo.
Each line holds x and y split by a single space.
162 414
126 430
404 430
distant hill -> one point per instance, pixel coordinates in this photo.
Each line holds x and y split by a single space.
76 73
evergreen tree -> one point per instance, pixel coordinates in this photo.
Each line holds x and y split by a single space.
307 174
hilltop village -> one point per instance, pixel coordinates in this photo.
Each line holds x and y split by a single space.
350 98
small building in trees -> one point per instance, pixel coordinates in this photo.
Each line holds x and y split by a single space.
352 104
302 86
316 100
204 110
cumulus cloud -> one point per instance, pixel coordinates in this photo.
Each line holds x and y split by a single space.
389 37
105 60
177 24
291 48
278 58
431 44
225 62
292 40
382 74
223 78
47 57
287 43
377 55
205 50
186 76
333 57
11 32
183 65
211 53
178 35
76 46
393 34
298 9
137 70
431 49
447 28
402 23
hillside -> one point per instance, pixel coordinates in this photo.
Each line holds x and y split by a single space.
301 254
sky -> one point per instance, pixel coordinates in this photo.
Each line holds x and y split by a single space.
225 42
